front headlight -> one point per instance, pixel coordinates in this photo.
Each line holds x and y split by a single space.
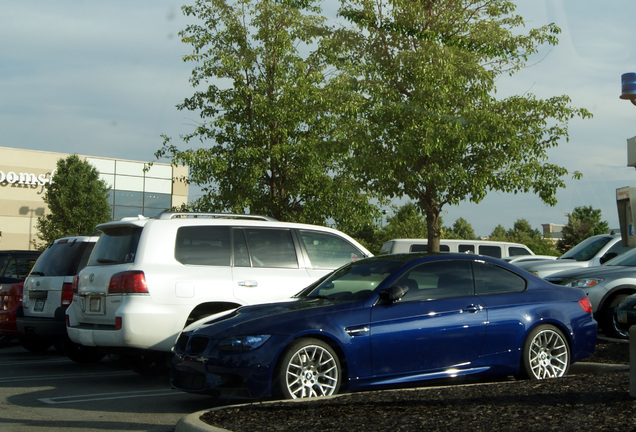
242 343
583 283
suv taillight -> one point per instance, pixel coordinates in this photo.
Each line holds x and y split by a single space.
67 293
75 285
130 282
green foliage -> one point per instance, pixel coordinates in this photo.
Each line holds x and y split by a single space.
499 234
421 83
264 144
583 222
77 200
461 230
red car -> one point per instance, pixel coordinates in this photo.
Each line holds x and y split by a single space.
10 299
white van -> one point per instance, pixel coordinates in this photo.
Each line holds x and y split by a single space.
495 249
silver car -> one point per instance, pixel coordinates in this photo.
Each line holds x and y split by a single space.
591 252
605 286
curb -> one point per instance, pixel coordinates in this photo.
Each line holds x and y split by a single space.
193 423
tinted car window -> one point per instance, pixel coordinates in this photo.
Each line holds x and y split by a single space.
63 259
203 245
327 251
271 248
517 251
117 245
438 279
491 279
463 248
424 248
493 251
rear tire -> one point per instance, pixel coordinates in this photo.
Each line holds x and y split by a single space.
35 344
546 353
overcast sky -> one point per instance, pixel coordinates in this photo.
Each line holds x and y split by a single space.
102 78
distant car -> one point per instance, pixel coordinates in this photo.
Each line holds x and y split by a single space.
591 252
496 249
626 313
390 321
605 286
528 258
16 264
48 292
10 300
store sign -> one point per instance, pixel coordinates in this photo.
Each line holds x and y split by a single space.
25 179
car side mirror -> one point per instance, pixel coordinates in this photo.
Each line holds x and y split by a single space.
394 293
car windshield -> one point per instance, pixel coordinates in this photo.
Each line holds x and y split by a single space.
356 280
626 259
587 249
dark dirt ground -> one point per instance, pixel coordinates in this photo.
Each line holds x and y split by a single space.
582 401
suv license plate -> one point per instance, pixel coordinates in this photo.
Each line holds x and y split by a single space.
95 304
38 306
621 316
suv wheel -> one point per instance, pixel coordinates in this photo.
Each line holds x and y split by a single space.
81 354
35 344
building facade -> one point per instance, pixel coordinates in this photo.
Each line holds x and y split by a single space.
135 190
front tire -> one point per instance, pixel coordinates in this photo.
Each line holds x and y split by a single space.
546 353
608 323
309 368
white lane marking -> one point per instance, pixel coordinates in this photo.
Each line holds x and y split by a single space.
107 396
33 362
63 376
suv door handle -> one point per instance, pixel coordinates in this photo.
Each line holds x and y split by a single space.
248 283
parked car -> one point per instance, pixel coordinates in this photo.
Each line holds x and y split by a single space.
10 299
149 278
389 321
528 258
41 320
16 264
626 313
591 252
496 249
606 286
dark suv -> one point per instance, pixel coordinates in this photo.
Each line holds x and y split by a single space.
41 320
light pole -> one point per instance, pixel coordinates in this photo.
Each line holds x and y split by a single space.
628 92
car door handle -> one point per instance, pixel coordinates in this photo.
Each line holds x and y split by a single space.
472 308
248 283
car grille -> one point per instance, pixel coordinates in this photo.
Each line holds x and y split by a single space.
194 345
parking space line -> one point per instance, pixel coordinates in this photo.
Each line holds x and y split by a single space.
63 376
107 396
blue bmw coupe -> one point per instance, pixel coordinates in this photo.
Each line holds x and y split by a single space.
390 321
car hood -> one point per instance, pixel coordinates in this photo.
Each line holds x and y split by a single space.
593 272
272 317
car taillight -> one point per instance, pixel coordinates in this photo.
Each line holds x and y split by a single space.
67 293
130 282
586 305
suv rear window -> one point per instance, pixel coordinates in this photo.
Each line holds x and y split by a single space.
117 245
63 258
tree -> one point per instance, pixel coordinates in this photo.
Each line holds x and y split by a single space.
265 107
522 232
499 234
461 230
406 223
421 78
583 222
77 200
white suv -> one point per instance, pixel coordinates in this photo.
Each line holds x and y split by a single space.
148 278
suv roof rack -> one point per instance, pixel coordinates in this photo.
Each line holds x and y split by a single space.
174 215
